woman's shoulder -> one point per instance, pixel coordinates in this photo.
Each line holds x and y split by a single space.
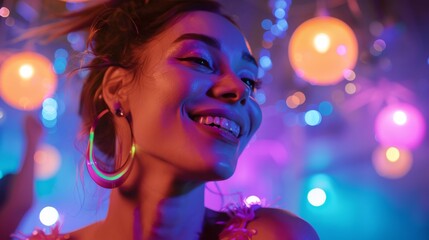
262 223
274 223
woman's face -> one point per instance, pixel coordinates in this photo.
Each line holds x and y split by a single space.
192 107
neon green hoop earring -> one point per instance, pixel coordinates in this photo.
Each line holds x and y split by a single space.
101 177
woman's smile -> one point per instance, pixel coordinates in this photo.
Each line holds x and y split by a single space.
221 127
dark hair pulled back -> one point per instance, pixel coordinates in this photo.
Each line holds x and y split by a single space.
117 29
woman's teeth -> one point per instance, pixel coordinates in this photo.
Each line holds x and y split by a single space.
220 122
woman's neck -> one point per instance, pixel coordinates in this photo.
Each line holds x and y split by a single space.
161 208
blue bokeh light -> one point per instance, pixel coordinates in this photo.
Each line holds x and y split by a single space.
326 108
268 36
61 53
260 97
265 62
312 118
282 24
60 65
280 4
279 13
266 24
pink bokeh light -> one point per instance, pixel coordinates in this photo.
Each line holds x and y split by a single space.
400 125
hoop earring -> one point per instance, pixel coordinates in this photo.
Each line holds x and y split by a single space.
103 178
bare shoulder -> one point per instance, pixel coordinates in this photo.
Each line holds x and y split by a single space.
273 224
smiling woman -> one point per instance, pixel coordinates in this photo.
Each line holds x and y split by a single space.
169 102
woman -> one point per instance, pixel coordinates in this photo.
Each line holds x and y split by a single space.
169 100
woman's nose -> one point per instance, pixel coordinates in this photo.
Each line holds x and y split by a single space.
231 89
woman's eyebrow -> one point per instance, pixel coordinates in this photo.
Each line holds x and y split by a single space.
213 42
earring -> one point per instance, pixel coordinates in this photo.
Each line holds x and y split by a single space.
101 177
118 110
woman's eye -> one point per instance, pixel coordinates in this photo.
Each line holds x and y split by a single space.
197 60
253 84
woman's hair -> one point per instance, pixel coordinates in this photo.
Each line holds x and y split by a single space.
118 29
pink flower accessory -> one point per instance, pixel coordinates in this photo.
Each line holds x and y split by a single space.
240 215
39 234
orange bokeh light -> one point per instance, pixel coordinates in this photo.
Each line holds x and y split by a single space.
26 79
48 161
392 162
322 49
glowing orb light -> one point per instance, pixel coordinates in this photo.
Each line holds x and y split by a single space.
4 12
48 161
252 200
26 79
391 162
312 117
400 125
316 197
48 216
296 99
322 49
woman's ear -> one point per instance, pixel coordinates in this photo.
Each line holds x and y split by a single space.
115 85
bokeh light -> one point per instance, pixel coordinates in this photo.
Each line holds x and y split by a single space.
316 197
48 161
325 108
312 117
252 200
48 216
321 49
349 75
393 154
49 110
400 125
4 12
26 79
350 88
26 71
296 99
392 162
